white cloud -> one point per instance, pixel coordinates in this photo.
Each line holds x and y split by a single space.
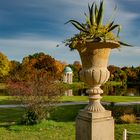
18 48
29 43
127 51
126 56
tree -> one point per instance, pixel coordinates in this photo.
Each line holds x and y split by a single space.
132 73
59 67
41 61
76 67
39 95
138 73
4 65
117 74
15 66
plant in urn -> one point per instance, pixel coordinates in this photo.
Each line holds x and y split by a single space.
94 43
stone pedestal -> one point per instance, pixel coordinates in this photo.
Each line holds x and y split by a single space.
94 122
94 126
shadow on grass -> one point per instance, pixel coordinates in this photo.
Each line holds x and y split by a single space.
66 113
8 115
12 116
9 101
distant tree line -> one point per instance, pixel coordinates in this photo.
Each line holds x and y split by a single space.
118 74
124 74
30 65
44 62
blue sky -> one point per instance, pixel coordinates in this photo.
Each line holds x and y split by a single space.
30 26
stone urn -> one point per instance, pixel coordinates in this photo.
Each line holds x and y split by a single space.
94 73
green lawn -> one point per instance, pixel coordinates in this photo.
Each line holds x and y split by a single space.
8 100
51 130
113 83
47 130
12 100
105 98
130 127
60 126
121 98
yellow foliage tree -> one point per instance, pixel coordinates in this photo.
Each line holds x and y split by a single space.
59 67
4 65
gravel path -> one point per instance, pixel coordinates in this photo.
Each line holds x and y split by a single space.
77 103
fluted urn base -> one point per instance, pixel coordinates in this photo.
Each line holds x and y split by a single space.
94 100
95 107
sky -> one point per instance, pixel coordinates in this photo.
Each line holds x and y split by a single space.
31 26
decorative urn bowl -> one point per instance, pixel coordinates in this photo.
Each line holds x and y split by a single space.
94 73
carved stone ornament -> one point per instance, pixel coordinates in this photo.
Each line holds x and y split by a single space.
94 73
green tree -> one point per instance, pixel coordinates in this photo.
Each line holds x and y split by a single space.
76 67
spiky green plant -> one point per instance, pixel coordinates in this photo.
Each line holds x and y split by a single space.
93 30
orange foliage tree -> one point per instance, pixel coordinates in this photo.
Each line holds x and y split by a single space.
41 61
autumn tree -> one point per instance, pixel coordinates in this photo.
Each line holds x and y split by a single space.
41 61
39 95
132 73
138 73
15 66
59 66
4 65
117 74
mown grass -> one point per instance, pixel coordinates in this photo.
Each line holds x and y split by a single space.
105 98
13 100
121 98
60 126
47 130
131 128
113 83
8 100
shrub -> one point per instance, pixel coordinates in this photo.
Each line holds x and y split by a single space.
39 94
118 111
128 118
29 118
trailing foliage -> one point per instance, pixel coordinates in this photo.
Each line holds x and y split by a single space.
93 30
